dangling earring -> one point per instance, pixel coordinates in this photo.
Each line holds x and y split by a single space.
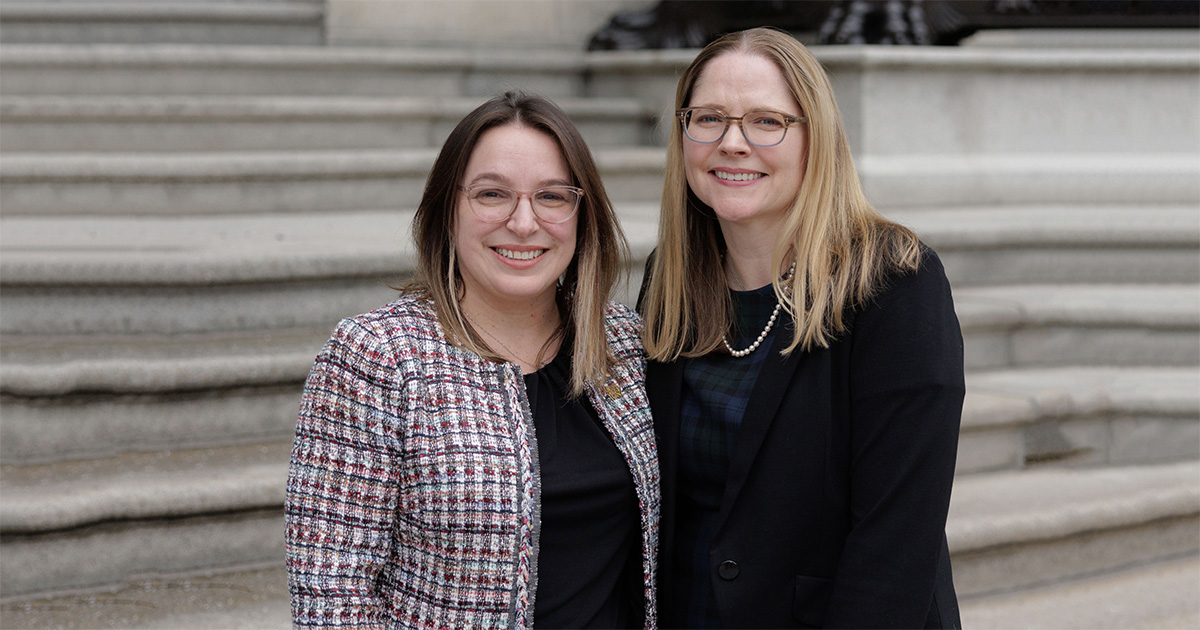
452 274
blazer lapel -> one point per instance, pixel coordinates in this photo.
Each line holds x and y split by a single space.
664 384
764 404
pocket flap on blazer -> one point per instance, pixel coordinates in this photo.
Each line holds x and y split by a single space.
812 600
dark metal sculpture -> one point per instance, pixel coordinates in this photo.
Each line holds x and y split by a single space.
694 23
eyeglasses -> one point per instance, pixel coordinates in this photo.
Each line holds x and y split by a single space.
761 128
494 203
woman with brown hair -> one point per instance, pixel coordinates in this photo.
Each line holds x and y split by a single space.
806 372
455 447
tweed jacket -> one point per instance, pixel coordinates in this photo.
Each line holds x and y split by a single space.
413 498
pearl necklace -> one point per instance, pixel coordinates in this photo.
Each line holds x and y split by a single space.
787 288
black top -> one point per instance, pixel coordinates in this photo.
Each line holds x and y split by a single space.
589 567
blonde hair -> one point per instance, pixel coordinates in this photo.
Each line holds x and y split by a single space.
842 247
600 246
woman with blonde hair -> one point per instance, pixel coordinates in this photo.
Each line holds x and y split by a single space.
456 447
806 374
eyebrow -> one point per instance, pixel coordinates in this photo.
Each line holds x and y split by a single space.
757 108
502 180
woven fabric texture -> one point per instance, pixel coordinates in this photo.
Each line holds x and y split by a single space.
413 496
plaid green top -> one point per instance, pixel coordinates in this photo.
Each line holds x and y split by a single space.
716 390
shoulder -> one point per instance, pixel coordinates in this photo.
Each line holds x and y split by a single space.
908 304
931 268
386 332
927 282
406 315
616 313
623 329
912 313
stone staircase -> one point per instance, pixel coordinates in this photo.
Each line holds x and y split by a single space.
279 22
174 255
183 224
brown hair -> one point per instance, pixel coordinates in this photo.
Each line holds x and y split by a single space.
600 245
841 245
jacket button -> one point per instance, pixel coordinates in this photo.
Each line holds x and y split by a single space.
728 570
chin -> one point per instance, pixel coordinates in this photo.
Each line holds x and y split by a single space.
737 215
526 291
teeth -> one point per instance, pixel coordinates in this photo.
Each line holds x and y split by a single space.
529 255
737 177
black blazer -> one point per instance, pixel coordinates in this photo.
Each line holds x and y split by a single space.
835 506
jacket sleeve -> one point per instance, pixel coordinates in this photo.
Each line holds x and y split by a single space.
906 392
342 483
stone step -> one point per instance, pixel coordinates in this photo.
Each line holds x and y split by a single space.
174 275
1119 153
1116 154
90 291
138 515
253 182
202 329
1100 324
1066 176
1079 416
93 393
128 70
212 599
188 275
112 520
1003 327
309 181
1022 529
990 90
1155 595
66 275
278 22
1061 243
241 123
86 397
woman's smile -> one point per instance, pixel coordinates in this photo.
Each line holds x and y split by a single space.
737 176
519 254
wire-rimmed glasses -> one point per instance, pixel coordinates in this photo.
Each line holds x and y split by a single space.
761 128
494 203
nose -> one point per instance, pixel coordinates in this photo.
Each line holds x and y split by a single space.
734 141
523 221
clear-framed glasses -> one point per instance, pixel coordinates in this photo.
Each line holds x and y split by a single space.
761 128
495 203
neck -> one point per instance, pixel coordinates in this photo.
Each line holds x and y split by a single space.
749 267
749 252
516 332
533 316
